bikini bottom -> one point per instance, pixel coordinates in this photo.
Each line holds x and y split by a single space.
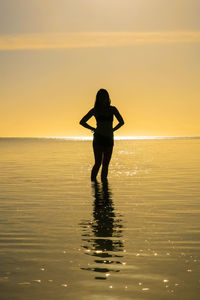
102 141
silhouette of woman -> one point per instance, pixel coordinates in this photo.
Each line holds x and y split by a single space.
103 138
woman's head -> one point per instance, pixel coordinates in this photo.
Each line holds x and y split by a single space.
102 99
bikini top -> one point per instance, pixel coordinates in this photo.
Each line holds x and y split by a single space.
102 118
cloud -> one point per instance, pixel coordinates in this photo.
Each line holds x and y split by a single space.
94 39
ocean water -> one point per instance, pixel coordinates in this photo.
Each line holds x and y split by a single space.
136 237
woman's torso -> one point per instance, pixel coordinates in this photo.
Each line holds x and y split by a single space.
104 119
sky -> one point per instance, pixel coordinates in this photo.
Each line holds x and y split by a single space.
56 54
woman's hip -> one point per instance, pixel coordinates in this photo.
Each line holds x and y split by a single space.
102 140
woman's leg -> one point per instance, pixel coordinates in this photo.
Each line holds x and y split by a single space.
98 153
107 153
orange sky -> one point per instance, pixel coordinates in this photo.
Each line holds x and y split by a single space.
55 55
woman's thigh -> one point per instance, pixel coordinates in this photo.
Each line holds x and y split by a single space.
107 154
98 154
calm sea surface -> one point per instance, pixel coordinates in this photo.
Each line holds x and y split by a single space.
137 237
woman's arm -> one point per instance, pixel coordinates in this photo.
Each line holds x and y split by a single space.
119 119
84 120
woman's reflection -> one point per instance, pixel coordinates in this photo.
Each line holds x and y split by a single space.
102 237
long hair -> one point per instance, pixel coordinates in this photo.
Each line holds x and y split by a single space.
102 100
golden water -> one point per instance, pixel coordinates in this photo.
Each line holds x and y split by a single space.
137 237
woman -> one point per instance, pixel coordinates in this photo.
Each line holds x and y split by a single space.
103 134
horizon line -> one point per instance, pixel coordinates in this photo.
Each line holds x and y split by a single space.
88 138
